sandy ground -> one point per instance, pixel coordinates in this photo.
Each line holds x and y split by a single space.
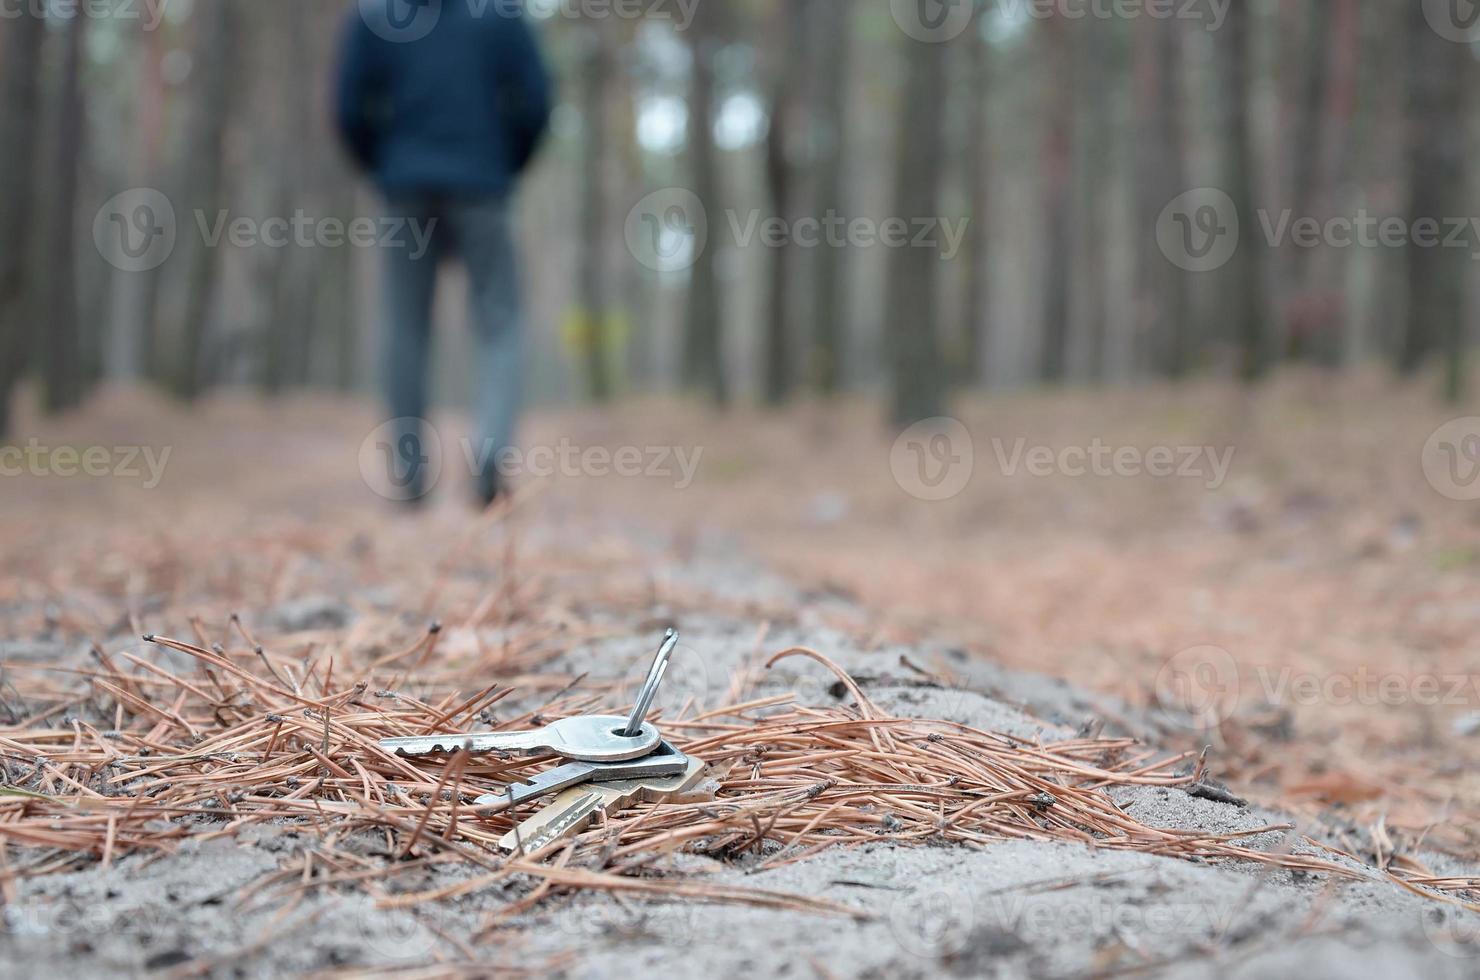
99 561
1010 909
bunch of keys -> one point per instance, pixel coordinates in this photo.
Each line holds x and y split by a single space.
611 761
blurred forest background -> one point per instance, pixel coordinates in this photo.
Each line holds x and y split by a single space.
1062 138
1095 164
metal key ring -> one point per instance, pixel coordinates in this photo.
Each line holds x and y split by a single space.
650 685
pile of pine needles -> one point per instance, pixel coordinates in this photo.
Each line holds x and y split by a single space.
134 755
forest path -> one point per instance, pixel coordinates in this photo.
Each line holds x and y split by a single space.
264 512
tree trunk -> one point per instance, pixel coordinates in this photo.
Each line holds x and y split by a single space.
1058 277
1092 157
1437 144
831 134
289 274
976 320
339 303
20 94
703 360
61 355
1244 297
130 352
791 45
911 302
1164 311
205 139
592 322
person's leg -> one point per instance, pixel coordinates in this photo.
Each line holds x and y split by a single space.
486 242
408 286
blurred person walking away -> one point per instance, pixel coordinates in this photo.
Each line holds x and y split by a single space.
444 105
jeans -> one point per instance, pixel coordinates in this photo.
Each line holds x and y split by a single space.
477 230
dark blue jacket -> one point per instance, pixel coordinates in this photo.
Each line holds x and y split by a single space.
441 95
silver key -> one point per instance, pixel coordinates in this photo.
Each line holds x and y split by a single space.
587 738
666 761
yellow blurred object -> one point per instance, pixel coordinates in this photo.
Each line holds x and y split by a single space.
578 328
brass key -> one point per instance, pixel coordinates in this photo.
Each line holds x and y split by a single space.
574 809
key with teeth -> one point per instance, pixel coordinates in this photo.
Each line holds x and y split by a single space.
588 738
570 812
666 761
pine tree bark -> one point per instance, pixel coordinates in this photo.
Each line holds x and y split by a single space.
20 94
792 44
62 369
595 292
976 314
703 360
1058 279
1164 310
205 140
911 306
1091 159
831 133
1439 71
1244 289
